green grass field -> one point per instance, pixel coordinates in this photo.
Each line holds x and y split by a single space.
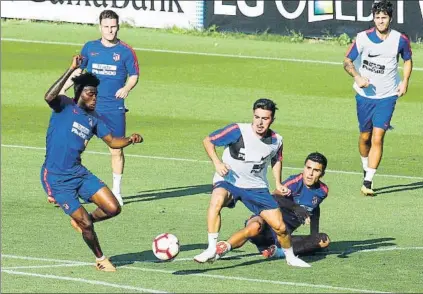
181 98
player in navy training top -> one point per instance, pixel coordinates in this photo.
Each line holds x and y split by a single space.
378 84
72 124
299 205
115 64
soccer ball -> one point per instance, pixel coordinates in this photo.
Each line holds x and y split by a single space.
165 246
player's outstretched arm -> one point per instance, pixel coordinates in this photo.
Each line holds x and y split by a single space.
54 90
117 143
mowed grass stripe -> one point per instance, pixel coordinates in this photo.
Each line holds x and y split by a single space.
179 273
206 161
194 53
86 281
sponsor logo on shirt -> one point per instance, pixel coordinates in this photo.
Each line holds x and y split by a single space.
374 67
80 130
94 53
104 69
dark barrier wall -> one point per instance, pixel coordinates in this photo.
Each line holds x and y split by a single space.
313 18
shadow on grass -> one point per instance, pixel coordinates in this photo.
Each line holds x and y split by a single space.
399 188
340 248
150 195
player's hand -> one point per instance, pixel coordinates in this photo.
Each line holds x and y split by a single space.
402 88
362 82
122 93
222 168
136 138
76 61
282 190
302 214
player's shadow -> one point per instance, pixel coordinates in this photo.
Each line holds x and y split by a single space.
149 195
341 248
399 188
148 256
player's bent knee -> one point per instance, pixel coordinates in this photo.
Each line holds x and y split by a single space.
281 229
113 210
86 225
253 229
217 201
324 240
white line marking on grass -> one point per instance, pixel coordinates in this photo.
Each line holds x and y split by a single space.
206 161
193 53
93 282
40 259
230 256
220 277
46 266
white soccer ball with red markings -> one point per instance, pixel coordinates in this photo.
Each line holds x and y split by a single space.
165 246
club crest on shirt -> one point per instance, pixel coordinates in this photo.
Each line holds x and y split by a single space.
90 121
116 56
314 200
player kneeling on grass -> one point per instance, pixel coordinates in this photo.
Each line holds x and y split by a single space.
299 205
73 122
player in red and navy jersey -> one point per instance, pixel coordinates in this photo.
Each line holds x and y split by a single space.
241 174
299 204
73 123
116 66
378 84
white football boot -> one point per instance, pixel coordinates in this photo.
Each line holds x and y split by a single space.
208 255
295 261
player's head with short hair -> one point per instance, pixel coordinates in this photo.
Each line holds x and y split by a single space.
108 14
314 168
383 6
265 104
85 87
264 115
319 158
109 25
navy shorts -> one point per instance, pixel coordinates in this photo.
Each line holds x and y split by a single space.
66 189
115 121
375 112
256 200
267 236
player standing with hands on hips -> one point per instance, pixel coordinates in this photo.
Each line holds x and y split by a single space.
73 122
116 66
378 84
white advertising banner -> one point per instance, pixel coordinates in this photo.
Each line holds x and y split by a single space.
139 13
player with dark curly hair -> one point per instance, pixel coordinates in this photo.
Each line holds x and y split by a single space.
73 122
